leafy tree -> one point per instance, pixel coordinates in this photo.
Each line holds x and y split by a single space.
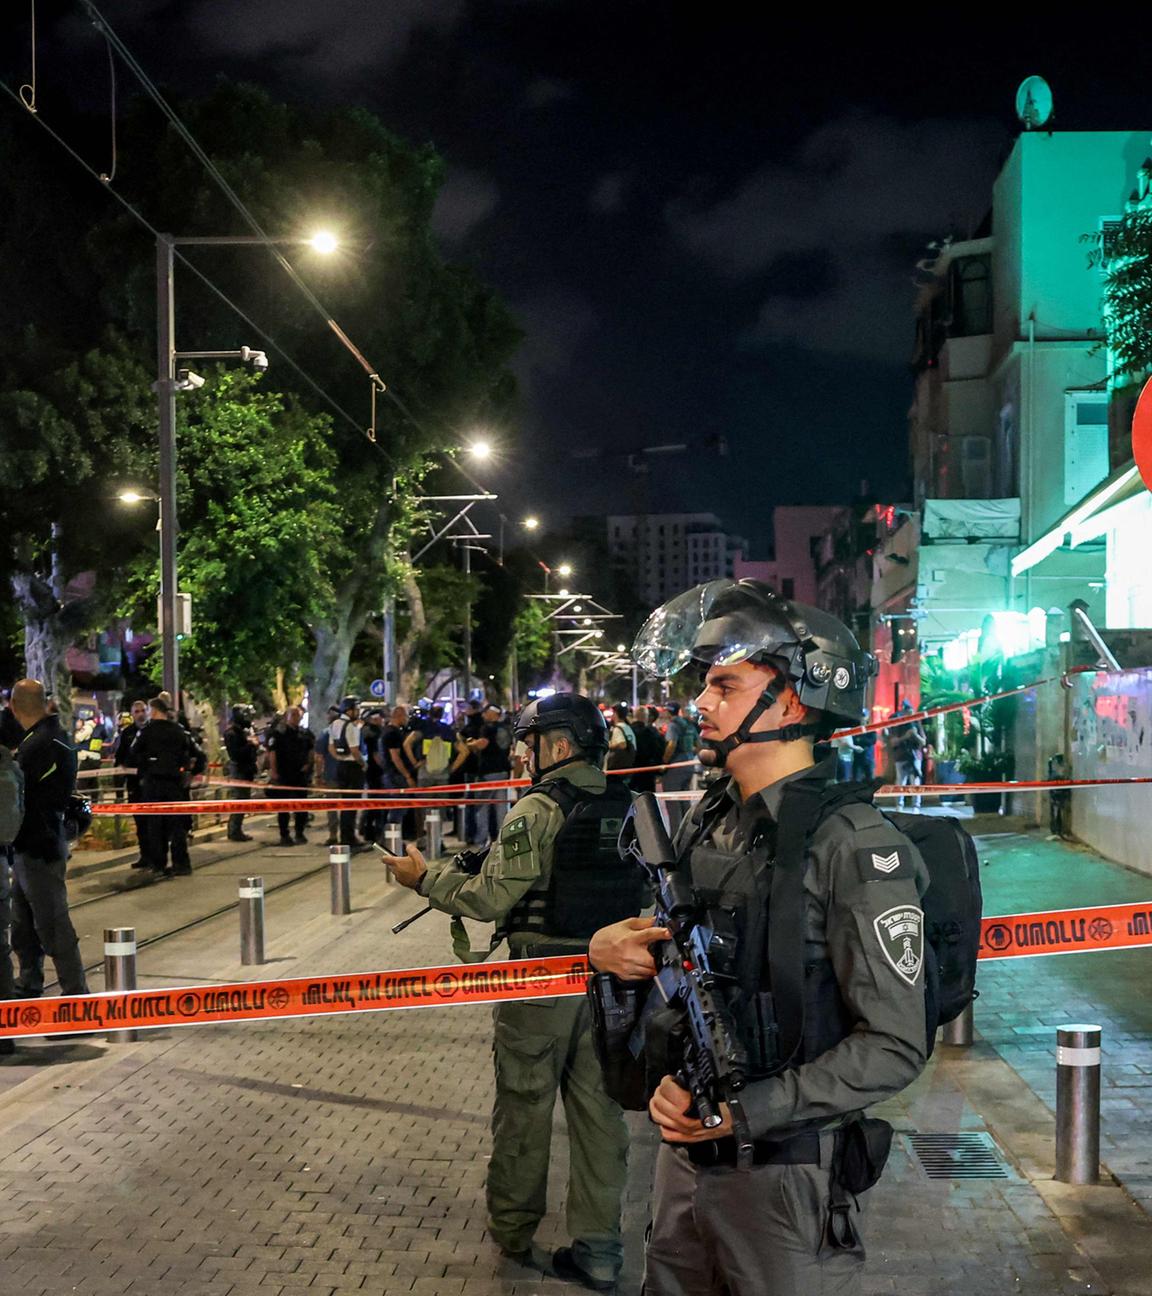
67 430
260 534
1128 293
440 337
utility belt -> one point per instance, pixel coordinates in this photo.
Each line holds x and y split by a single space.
803 1149
547 949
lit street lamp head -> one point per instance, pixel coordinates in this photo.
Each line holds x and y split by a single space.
480 449
531 523
133 496
324 242
565 569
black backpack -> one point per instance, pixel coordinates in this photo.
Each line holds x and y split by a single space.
953 905
649 746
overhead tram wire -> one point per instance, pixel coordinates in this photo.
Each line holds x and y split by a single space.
379 385
138 216
233 197
114 42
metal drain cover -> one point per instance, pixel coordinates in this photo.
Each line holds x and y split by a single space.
972 1155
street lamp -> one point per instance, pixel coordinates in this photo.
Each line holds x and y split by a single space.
530 523
480 450
324 242
169 381
565 569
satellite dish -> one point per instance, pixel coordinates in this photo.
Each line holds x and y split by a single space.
1034 102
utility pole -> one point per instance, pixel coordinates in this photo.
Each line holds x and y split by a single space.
166 409
467 551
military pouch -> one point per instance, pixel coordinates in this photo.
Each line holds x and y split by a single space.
861 1153
616 1007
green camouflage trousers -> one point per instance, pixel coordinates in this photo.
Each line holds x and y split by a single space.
542 1046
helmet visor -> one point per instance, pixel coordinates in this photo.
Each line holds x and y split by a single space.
691 628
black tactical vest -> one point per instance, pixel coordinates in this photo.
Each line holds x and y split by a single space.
786 1001
589 885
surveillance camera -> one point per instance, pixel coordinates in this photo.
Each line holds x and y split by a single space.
186 380
257 359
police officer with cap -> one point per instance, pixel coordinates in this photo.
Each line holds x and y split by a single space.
830 966
549 882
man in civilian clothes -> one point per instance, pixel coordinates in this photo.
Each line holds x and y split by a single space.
344 748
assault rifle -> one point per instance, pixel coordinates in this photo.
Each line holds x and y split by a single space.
467 861
693 966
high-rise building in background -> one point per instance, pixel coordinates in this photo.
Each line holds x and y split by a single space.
666 553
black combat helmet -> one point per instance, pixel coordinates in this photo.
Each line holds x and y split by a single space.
571 711
725 622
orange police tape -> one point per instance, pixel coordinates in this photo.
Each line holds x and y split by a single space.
1067 931
391 802
1029 935
243 1001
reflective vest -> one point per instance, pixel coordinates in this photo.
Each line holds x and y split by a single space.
589 885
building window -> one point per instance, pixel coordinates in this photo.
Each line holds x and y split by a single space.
976 467
1085 443
970 296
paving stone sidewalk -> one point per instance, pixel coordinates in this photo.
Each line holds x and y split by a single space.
348 1154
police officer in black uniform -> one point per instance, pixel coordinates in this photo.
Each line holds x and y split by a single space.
165 757
830 967
243 749
40 921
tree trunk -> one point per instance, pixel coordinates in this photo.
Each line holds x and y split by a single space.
51 627
329 671
408 649
327 677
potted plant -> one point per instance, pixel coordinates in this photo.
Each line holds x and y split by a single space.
992 767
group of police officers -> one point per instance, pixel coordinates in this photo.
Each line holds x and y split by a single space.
848 1029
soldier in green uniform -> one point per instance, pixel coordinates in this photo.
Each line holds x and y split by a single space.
839 1024
548 883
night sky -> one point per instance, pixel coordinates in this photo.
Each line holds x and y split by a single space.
707 228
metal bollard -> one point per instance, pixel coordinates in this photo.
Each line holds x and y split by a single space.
958 1032
433 830
393 843
340 876
120 971
251 920
1078 1104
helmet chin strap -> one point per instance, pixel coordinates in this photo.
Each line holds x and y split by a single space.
568 760
720 749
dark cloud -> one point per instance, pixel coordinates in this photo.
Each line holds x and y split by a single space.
609 192
466 199
547 90
327 39
556 320
861 193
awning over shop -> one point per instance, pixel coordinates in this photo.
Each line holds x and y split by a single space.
990 520
1084 521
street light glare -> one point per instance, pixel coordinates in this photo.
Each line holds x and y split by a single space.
565 569
531 523
480 449
130 497
324 242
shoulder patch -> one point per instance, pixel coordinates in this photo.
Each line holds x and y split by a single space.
876 863
900 932
515 839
